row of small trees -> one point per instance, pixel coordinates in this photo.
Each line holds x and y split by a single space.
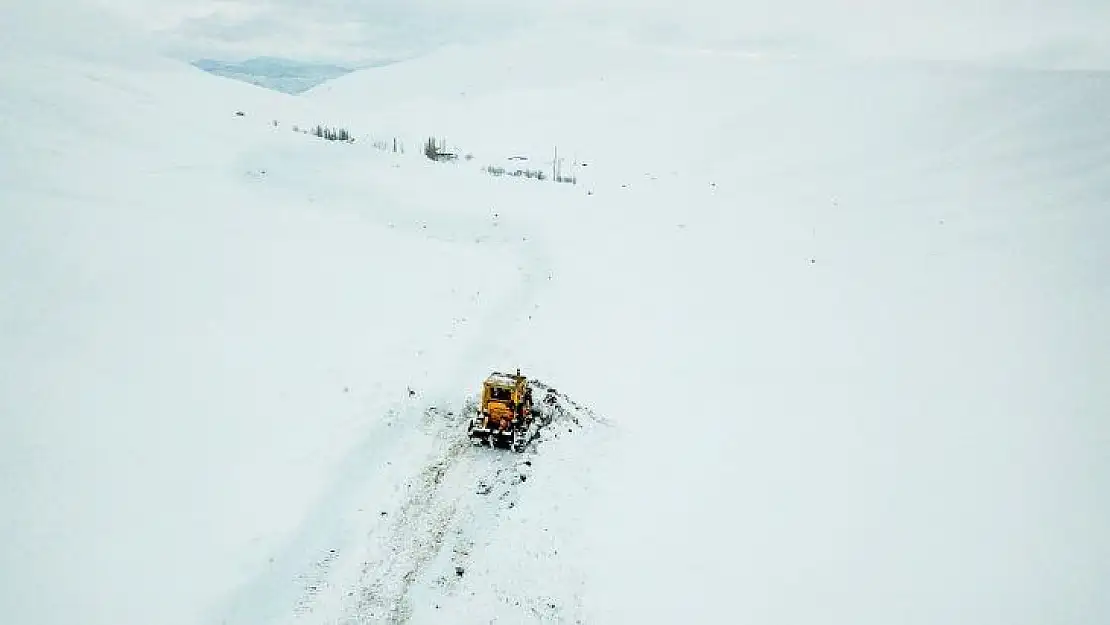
332 134
436 150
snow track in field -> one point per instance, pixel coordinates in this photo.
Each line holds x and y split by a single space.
421 524
455 500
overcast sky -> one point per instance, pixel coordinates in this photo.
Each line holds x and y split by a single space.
1067 33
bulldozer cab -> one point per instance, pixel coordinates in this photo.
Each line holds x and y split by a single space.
503 388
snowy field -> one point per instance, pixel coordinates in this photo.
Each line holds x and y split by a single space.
831 332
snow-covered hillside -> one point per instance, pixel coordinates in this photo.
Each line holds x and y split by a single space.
832 337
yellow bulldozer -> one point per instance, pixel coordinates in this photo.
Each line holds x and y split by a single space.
506 412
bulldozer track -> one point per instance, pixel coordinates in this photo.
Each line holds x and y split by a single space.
459 493
401 527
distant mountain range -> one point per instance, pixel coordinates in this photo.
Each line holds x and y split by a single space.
276 73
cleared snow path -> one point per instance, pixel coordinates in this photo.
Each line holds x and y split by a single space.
448 511
396 536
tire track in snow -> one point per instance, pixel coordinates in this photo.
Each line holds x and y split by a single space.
417 536
456 500
302 570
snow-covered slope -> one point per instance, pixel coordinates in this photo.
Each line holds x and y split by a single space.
835 333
